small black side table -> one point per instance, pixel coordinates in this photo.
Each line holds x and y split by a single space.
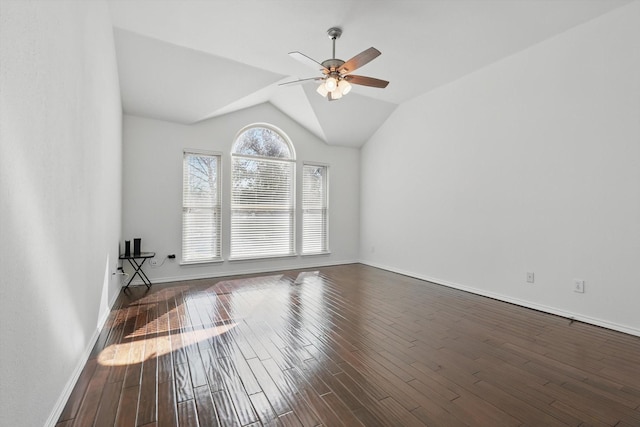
137 267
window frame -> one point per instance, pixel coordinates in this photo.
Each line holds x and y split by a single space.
217 258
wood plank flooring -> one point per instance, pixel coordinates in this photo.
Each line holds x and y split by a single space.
348 346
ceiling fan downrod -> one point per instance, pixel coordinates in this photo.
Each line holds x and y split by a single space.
334 33
333 64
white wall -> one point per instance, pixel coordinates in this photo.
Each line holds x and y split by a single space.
531 164
152 203
60 191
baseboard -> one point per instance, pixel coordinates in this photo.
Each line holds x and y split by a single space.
210 275
68 388
523 303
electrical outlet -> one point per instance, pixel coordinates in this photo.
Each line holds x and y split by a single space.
153 262
578 285
530 278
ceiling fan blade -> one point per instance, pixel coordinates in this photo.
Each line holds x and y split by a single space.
359 60
366 81
293 82
308 61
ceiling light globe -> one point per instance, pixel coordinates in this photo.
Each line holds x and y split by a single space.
322 90
336 94
331 84
344 86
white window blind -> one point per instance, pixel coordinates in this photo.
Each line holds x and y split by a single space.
200 208
314 209
262 196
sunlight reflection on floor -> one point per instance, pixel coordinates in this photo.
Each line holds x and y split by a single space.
135 350
172 319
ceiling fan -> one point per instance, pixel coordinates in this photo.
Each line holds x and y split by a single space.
337 79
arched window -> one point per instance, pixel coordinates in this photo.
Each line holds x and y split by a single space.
262 193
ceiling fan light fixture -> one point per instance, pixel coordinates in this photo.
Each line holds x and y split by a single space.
331 84
340 87
322 90
344 86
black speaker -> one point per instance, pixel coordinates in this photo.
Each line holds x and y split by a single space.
136 246
127 248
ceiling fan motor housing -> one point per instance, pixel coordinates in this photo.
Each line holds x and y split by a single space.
332 64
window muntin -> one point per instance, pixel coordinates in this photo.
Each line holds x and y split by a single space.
201 208
314 209
262 195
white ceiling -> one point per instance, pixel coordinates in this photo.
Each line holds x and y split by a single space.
186 61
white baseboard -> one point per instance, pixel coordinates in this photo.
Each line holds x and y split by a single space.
523 303
82 361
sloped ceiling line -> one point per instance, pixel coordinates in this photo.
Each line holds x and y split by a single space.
189 60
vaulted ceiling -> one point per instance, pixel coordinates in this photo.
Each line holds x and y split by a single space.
186 61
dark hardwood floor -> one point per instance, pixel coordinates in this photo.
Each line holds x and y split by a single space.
351 345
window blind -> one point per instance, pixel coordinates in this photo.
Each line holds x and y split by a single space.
314 209
200 208
262 207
